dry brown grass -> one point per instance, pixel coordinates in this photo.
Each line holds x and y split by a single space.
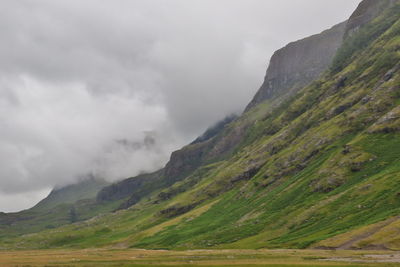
135 257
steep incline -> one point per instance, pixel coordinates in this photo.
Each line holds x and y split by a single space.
366 11
299 63
289 173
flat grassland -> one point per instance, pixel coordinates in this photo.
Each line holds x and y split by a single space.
135 257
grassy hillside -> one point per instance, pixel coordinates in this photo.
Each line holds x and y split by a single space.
320 169
62 206
86 189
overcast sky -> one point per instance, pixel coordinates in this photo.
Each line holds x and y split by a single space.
111 87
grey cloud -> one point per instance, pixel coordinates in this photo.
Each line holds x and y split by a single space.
84 83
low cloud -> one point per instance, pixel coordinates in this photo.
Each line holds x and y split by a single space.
112 87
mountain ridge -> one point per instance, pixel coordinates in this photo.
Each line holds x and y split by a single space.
85 189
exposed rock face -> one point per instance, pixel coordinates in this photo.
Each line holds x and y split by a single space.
131 190
120 190
183 161
299 63
177 210
127 187
366 11
303 61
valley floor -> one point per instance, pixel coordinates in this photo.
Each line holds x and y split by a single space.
134 257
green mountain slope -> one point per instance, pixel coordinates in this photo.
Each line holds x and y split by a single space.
318 168
64 205
85 189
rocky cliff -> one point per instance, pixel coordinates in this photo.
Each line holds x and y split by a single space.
299 63
214 143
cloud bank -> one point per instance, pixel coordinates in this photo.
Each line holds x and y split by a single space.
112 87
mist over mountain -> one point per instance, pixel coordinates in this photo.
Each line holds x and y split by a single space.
312 162
82 85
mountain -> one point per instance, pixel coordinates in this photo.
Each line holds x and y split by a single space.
64 205
86 189
366 11
299 63
311 163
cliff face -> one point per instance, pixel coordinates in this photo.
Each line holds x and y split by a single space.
299 63
366 11
181 164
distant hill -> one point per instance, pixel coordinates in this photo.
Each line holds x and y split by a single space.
86 189
63 205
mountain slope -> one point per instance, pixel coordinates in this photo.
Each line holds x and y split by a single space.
64 205
366 11
318 168
85 189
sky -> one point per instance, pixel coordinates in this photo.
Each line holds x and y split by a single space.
112 87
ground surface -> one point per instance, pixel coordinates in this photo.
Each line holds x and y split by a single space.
277 258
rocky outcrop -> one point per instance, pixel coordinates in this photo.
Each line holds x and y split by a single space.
131 190
299 63
181 164
184 161
128 187
177 210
